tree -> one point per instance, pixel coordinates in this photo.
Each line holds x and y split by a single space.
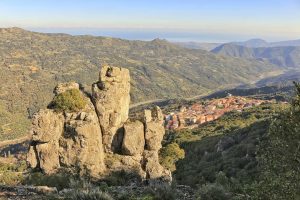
170 154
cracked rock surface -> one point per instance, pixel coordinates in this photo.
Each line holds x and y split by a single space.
99 139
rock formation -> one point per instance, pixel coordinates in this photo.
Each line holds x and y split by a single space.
111 98
99 139
69 139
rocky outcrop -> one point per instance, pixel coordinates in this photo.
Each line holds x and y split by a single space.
60 88
154 129
111 98
69 139
134 138
81 143
47 128
99 139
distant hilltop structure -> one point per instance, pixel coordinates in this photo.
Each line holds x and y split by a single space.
93 134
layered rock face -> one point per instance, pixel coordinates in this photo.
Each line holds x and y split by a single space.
99 139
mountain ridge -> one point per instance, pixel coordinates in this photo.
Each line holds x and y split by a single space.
254 43
285 56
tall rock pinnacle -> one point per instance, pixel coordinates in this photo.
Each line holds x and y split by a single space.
111 98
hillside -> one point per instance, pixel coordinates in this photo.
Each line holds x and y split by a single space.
252 154
198 45
286 56
31 64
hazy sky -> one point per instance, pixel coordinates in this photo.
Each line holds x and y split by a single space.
203 20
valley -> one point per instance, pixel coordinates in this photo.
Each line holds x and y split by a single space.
223 115
33 63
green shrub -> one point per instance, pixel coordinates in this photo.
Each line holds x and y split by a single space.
170 154
11 178
213 191
11 173
70 101
162 191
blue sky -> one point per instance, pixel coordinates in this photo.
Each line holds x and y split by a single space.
202 20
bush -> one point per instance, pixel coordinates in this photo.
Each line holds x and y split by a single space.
11 178
213 191
162 191
59 180
11 173
170 154
91 194
70 101
122 177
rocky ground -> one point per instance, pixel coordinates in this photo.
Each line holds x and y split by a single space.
117 192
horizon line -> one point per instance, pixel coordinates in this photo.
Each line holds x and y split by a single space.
195 33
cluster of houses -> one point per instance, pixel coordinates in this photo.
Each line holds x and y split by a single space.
193 116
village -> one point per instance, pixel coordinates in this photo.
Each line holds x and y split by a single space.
198 113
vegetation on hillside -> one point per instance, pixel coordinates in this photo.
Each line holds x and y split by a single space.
12 124
31 64
254 154
283 56
279 156
170 154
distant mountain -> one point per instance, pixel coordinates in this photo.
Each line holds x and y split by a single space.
285 43
286 56
198 45
254 43
31 64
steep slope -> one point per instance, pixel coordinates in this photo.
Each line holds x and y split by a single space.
251 154
234 51
31 64
288 56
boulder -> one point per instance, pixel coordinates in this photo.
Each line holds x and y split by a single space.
111 98
47 126
154 135
153 169
81 144
154 129
129 164
134 140
62 87
48 159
